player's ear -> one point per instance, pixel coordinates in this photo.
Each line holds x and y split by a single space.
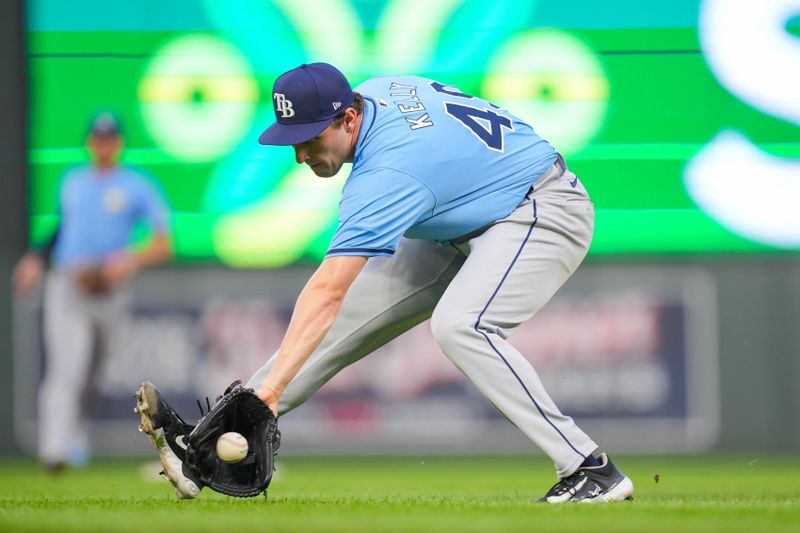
350 116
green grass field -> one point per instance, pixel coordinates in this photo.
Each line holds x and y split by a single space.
758 492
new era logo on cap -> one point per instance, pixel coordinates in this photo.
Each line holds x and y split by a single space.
306 99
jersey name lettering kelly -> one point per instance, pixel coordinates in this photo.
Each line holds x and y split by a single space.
433 183
410 103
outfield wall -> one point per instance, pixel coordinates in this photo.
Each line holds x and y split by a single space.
649 358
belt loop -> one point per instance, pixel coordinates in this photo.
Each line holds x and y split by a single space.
560 163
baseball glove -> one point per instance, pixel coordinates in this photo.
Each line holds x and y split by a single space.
239 410
92 280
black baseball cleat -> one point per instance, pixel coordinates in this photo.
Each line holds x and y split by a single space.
168 433
592 484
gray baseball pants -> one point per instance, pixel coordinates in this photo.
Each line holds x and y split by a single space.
476 293
76 330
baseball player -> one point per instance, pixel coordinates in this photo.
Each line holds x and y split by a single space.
455 210
85 294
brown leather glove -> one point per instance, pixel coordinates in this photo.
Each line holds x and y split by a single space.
92 280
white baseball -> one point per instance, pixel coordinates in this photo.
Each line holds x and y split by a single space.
232 447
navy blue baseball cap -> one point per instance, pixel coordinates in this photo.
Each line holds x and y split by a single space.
306 99
104 124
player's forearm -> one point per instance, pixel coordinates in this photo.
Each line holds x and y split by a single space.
315 311
120 267
158 251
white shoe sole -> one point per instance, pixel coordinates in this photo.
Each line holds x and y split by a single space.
146 405
620 492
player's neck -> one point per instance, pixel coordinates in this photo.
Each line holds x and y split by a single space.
103 167
354 138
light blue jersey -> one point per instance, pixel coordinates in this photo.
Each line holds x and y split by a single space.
432 163
99 210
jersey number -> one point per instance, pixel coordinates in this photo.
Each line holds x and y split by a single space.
484 123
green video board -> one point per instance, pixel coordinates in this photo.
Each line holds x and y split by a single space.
681 117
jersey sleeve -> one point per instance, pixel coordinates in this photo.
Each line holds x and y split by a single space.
377 208
151 206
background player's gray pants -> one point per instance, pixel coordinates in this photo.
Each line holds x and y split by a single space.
76 328
477 293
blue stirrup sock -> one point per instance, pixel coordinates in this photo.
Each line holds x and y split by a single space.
591 460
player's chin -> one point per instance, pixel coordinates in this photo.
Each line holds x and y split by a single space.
324 171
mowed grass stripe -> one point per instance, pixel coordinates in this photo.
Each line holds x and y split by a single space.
710 493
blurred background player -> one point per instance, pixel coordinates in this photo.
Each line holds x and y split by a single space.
86 291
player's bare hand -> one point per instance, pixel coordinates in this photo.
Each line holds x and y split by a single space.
119 267
269 395
28 274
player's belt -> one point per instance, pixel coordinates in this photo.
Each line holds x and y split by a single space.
559 164
472 234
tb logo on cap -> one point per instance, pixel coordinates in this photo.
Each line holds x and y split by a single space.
283 105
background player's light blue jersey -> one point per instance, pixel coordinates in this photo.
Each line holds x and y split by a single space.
432 163
99 211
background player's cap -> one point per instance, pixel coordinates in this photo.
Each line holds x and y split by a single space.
306 99
104 124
